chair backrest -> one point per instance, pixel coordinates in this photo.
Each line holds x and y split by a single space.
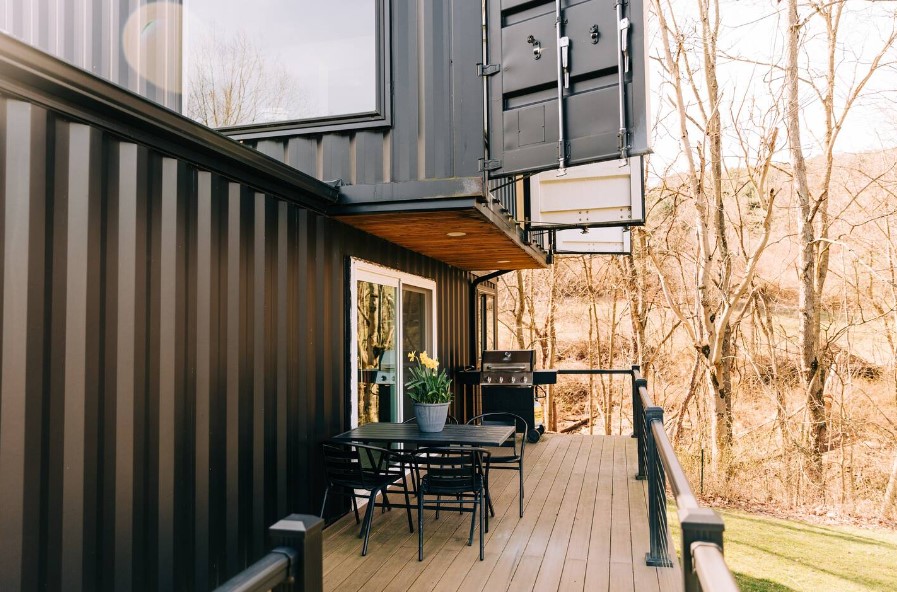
505 418
342 465
452 468
354 465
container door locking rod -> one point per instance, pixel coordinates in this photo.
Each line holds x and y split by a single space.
623 25
563 46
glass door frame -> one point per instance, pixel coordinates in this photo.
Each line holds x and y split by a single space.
365 271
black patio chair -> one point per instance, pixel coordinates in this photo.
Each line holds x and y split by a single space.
512 461
455 472
353 467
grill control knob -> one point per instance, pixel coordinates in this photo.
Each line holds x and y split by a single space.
488 379
501 379
513 379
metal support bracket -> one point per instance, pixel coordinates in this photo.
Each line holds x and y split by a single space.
488 69
484 164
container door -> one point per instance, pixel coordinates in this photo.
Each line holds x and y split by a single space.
598 194
608 240
597 47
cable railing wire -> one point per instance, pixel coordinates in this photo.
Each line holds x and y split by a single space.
702 562
703 565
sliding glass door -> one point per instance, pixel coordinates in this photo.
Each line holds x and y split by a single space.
417 314
392 316
376 351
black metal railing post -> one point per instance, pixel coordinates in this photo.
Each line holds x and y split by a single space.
638 419
304 533
702 526
657 556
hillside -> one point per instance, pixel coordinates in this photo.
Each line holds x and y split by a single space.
858 317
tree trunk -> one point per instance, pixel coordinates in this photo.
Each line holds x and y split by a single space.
520 311
812 370
633 272
593 322
552 348
888 504
719 383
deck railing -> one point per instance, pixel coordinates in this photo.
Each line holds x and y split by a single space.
703 565
504 191
297 564
504 194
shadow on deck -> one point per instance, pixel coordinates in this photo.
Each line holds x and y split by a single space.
585 527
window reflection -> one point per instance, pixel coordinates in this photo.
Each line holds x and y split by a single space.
376 333
278 60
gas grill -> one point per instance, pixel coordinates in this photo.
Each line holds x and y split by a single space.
508 381
509 368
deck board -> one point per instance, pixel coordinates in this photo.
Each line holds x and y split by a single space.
584 528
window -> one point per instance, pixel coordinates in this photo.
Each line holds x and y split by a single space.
388 308
486 322
253 68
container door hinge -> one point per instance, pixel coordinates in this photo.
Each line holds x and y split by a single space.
488 69
488 165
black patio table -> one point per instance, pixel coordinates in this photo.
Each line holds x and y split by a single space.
409 433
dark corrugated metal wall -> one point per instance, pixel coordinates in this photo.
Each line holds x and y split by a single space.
437 98
173 350
437 106
93 35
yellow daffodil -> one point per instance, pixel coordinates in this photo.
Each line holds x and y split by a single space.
427 384
428 362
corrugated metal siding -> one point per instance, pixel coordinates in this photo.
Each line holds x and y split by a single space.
92 34
173 351
437 123
437 99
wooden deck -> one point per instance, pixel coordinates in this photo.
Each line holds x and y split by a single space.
584 528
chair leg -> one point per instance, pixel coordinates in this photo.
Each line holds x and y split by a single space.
324 502
407 503
364 519
355 508
485 496
521 490
438 499
473 517
368 519
484 515
489 497
420 526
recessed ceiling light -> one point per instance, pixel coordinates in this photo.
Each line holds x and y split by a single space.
455 234
503 261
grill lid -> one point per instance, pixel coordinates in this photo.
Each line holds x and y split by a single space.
508 367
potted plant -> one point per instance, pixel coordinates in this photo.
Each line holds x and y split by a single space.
430 389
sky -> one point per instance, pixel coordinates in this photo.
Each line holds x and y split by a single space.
752 31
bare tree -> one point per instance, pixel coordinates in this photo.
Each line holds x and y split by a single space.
231 82
716 300
813 218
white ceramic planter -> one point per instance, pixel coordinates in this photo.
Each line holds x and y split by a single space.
431 416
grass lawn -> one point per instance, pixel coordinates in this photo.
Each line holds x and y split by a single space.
770 554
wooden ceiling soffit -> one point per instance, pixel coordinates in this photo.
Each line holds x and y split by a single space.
487 243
